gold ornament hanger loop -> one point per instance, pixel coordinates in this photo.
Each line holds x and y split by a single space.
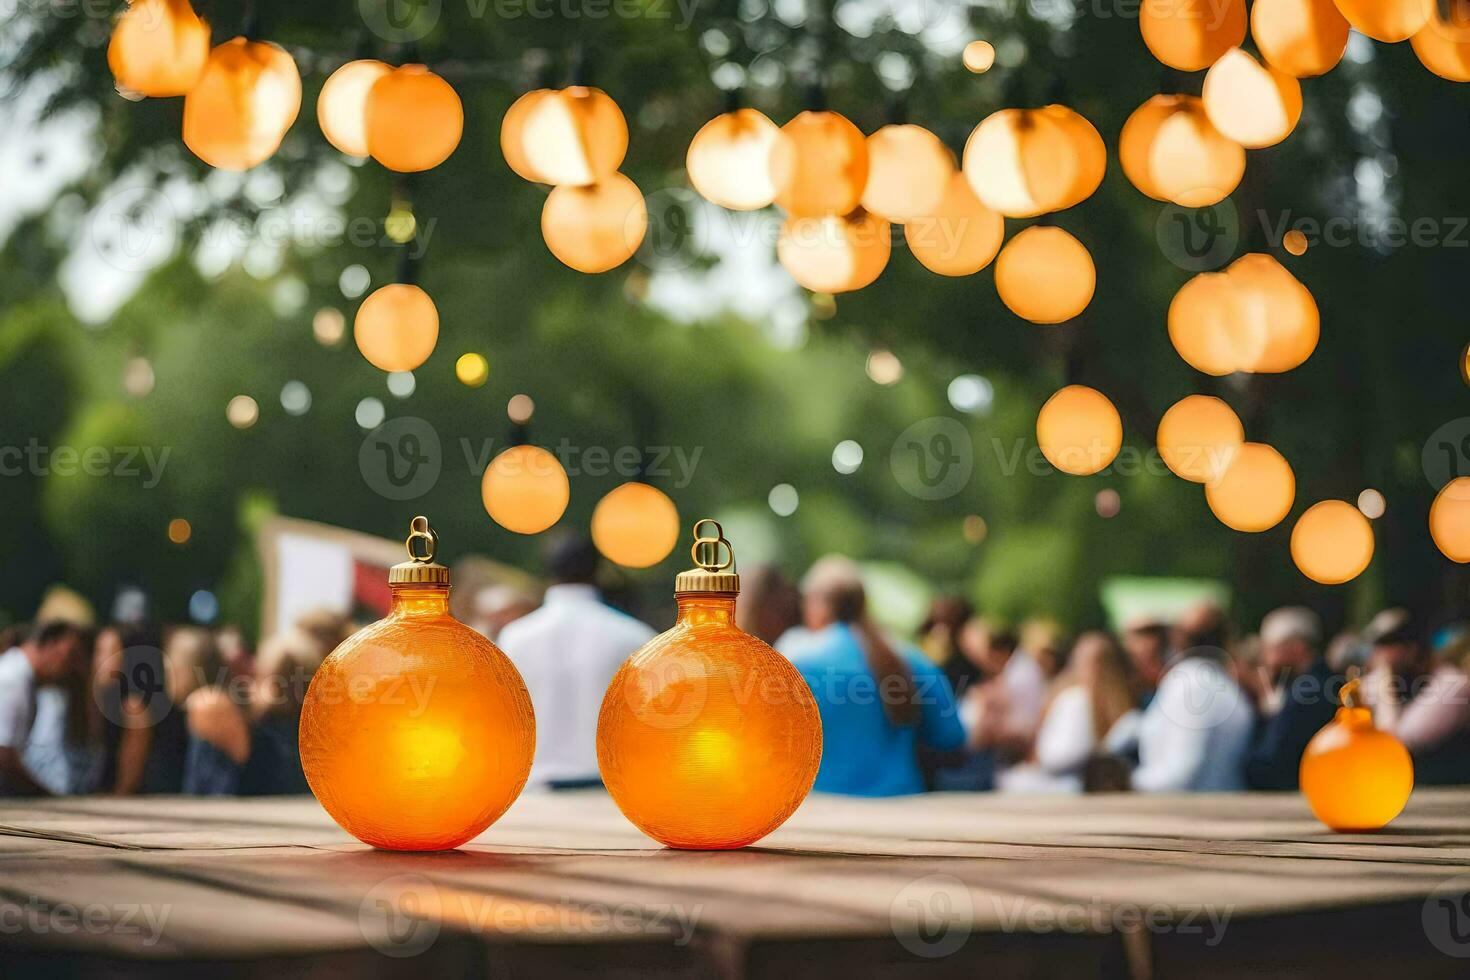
420 531
706 550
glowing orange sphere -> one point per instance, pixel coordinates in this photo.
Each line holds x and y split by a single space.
414 119
1191 34
1332 542
1253 104
158 48
1136 141
1190 162
1354 776
1079 430
417 733
1198 437
1300 37
1443 46
575 136
708 738
1045 275
525 489
1272 296
908 172
1022 162
960 236
1213 329
635 525
396 327
1387 20
1256 490
819 165
1294 242
1087 144
341 108
1449 520
597 227
513 135
237 113
979 56
729 160
835 254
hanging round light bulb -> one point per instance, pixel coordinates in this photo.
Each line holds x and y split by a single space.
1332 542
1191 34
1256 490
237 113
1022 162
635 525
396 327
1449 520
729 160
414 119
1090 152
1212 327
819 165
1443 44
1253 104
961 236
834 254
597 227
158 48
908 172
1268 294
1079 430
1300 37
1189 161
513 135
1136 141
1198 437
525 489
574 136
1045 275
341 108
1386 20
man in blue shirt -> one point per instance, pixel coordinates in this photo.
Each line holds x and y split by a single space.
877 704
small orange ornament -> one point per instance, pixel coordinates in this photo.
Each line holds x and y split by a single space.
414 119
417 732
237 113
158 48
708 738
1356 777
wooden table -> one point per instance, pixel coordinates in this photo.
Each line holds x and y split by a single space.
941 885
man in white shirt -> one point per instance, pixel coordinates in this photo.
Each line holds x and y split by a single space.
1196 732
44 658
568 651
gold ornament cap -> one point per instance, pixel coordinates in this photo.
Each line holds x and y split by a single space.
714 560
421 568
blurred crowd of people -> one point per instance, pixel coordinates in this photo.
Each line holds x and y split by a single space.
972 704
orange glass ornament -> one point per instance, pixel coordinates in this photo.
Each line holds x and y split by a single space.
596 227
414 119
908 169
1449 520
417 732
1356 777
158 48
237 113
708 738
513 135
1255 491
1332 542
1045 275
397 327
1253 104
1443 44
1023 162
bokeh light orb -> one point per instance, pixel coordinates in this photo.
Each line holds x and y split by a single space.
472 370
1191 34
1253 104
1045 275
1387 20
635 525
819 165
158 48
835 254
960 236
1255 492
242 411
1190 162
1449 520
414 119
979 56
908 171
1213 329
1332 542
1269 294
519 408
596 227
237 113
1079 431
1300 37
1136 141
1198 437
341 107
396 327
729 160
1090 152
1295 242
1443 45
180 530
1372 504
525 489
513 135
575 136
1021 162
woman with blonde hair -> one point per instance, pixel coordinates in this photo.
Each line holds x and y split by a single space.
1088 700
